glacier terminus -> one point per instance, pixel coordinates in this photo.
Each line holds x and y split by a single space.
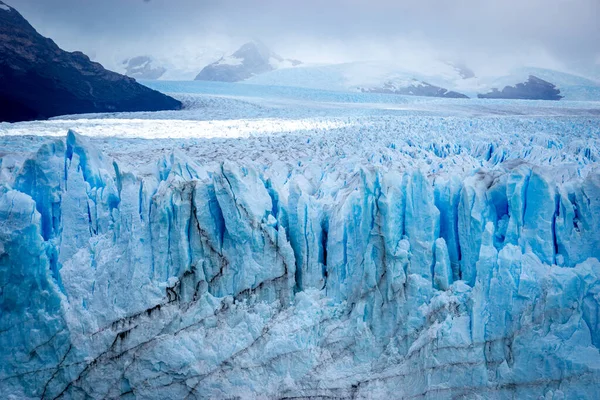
302 244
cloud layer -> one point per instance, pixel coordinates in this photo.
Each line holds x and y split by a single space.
481 32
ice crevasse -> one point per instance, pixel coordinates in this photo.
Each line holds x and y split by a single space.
232 279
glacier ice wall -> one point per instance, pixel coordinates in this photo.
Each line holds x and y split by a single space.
225 279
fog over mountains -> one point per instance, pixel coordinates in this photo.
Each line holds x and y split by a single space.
490 37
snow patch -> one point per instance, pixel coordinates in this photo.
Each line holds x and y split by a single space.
230 60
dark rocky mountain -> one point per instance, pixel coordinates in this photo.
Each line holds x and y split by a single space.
415 88
142 67
532 89
38 80
251 59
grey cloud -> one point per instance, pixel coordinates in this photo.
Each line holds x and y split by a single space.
564 30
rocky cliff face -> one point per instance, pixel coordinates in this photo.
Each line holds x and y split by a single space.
251 59
38 80
532 89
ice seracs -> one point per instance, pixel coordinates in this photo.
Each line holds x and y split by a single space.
406 266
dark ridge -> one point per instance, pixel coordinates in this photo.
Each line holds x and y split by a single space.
38 80
417 88
532 89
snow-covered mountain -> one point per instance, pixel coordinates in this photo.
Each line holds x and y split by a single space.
571 86
533 88
379 76
253 58
143 67
414 87
177 63
355 75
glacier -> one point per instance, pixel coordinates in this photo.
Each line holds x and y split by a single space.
371 254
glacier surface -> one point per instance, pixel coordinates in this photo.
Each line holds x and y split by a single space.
338 248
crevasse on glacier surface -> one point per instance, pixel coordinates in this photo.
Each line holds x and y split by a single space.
225 279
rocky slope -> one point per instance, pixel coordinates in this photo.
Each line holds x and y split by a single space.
533 89
38 80
415 87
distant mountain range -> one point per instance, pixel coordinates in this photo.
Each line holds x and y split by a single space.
39 80
435 79
255 63
253 58
532 89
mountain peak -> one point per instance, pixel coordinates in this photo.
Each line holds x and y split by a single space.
253 48
250 59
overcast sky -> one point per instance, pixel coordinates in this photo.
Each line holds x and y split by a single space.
479 32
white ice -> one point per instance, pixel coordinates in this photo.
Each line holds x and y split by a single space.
277 242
